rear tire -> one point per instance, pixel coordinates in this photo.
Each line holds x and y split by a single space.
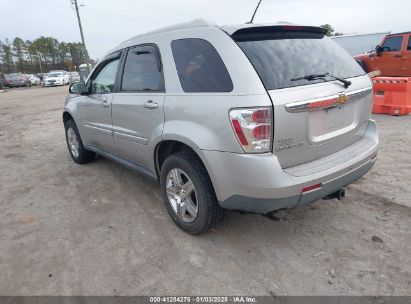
75 145
203 200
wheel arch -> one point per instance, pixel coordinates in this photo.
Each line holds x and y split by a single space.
67 116
168 147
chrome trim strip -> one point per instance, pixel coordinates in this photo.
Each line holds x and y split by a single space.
132 138
302 106
99 129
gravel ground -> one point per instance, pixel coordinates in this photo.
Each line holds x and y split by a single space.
101 229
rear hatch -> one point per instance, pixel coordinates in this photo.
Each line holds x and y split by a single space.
316 116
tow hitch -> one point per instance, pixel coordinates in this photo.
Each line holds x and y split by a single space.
337 194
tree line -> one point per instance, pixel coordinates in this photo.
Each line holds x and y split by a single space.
330 30
40 55
47 53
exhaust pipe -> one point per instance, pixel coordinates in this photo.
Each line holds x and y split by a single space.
339 194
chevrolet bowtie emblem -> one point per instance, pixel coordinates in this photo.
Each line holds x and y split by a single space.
341 99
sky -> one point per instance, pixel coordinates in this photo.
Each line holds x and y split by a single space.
106 23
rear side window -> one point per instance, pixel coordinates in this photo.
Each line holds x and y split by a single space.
409 44
199 67
392 44
142 70
281 56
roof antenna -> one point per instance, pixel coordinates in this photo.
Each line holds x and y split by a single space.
255 11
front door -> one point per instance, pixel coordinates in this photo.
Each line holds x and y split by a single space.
389 61
138 114
95 108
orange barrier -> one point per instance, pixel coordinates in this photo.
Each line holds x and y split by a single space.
392 95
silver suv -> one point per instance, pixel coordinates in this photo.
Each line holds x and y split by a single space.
250 117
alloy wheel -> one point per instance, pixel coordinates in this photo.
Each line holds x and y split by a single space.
73 142
182 195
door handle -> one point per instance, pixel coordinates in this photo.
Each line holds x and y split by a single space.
151 105
397 56
104 102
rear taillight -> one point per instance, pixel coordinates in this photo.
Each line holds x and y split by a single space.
252 128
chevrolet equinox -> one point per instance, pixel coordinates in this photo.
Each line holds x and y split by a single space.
248 117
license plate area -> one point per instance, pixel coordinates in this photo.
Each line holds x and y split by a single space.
327 124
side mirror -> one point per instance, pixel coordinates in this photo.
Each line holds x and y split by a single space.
379 49
78 87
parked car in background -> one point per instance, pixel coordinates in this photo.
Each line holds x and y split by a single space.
17 80
74 76
2 81
41 75
56 78
392 57
35 80
247 120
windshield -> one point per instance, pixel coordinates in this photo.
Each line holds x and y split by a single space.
54 75
16 76
282 56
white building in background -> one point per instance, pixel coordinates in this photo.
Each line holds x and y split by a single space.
360 43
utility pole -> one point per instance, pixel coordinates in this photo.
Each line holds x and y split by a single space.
82 35
256 9
39 60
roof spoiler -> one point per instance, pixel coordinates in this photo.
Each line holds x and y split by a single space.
277 32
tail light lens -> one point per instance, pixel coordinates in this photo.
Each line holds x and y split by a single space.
252 128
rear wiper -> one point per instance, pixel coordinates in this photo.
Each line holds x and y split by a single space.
312 77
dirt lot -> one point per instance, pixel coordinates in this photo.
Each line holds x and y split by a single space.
100 229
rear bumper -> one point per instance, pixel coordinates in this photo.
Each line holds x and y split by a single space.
257 183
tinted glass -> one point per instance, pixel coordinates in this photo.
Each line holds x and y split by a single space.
104 81
199 67
409 44
278 58
142 71
392 44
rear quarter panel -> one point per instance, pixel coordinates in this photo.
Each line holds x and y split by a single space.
201 119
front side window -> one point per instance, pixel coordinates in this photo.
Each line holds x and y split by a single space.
142 71
392 44
199 67
103 81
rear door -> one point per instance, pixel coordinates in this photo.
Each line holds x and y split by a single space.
312 117
389 61
138 114
405 69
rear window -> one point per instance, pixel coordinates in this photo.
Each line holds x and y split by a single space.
199 67
281 56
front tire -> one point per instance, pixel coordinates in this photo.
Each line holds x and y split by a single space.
189 194
75 145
